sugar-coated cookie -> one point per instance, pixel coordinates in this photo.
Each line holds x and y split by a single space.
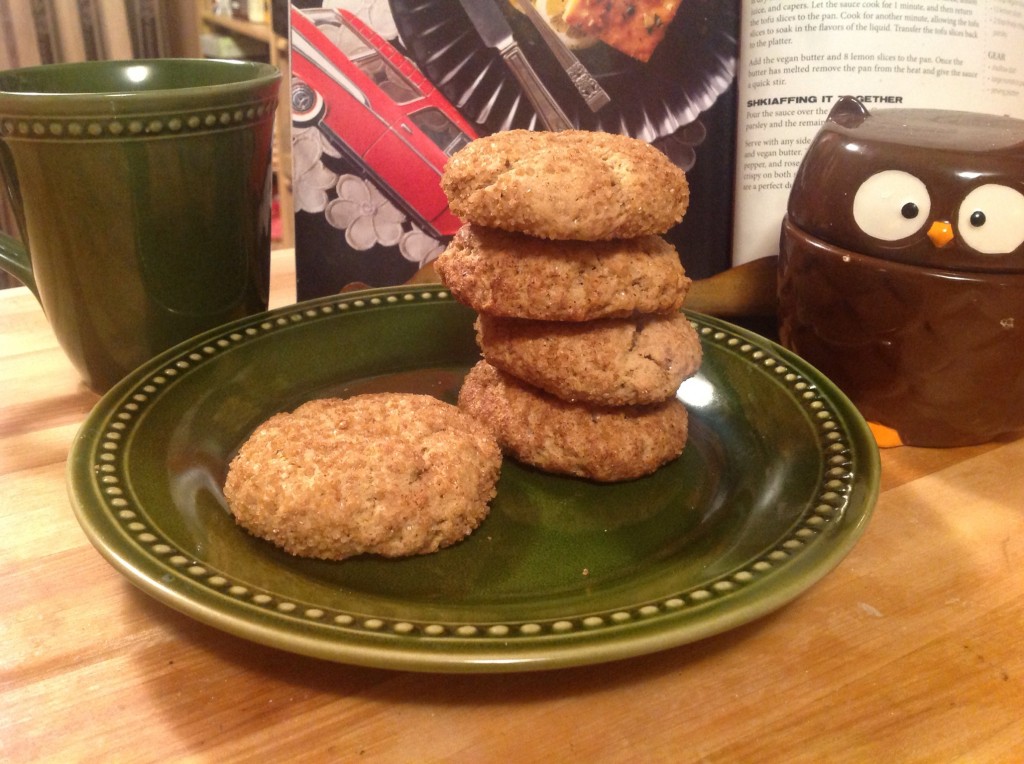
518 276
605 444
389 474
608 362
570 184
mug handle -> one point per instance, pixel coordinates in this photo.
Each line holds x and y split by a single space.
14 259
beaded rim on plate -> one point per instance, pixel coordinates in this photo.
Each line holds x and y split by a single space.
98 459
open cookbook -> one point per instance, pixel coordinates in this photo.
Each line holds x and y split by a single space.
733 92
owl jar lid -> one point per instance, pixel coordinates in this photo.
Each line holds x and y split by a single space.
928 187
929 128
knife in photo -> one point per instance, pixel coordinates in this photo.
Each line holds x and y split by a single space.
589 88
496 33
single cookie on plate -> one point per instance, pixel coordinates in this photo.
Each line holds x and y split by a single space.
518 276
608 362
569 184
391 474
606 444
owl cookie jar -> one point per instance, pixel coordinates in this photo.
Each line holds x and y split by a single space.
901 270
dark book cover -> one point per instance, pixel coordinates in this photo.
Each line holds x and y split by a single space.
381 98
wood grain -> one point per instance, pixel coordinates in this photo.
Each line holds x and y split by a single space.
908 651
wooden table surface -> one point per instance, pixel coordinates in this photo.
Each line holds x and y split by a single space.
911 650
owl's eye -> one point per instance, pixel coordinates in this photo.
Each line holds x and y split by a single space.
991 219
891 205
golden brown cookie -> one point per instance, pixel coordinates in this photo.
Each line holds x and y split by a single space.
518 276
570 184
601 443
607 362
390 474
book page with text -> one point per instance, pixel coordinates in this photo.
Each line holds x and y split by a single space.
798 58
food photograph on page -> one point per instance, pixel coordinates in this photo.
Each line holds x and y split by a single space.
384 92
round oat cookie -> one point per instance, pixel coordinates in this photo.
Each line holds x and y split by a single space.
607 362
606 444
570 184
387 473
518 276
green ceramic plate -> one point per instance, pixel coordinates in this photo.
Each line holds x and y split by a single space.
774 488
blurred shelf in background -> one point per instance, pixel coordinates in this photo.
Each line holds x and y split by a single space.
246 29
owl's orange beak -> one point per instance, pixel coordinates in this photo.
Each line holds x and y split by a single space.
941 233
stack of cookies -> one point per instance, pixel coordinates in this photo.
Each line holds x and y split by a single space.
577 296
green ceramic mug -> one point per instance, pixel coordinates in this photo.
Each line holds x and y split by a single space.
142 190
